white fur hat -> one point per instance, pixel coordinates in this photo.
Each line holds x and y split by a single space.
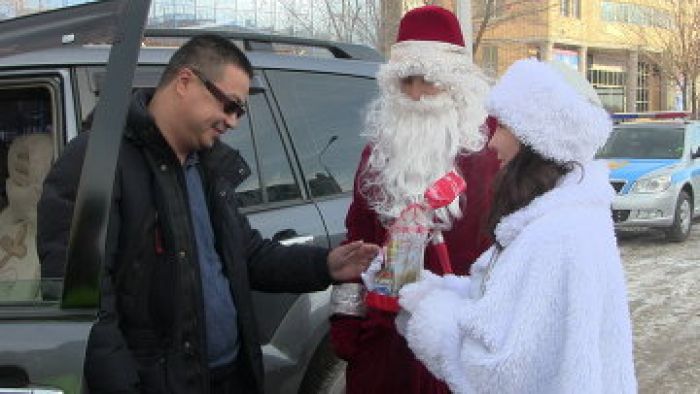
552 109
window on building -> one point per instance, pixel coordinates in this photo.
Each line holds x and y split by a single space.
496 8
607 11
576 9
611 11
565 7
492 7
489 60
567 56
610 85
644 71
570 8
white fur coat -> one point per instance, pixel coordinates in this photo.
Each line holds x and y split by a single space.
550 315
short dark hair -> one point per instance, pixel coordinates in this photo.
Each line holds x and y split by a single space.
208 53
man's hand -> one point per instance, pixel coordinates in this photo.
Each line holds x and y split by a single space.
348 261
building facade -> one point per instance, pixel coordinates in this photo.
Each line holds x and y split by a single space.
607 40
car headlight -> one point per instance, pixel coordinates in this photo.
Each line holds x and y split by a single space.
656 184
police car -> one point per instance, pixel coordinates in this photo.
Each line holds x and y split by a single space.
654 162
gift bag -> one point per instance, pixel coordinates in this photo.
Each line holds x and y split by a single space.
402 259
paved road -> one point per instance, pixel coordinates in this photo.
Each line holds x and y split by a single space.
664 294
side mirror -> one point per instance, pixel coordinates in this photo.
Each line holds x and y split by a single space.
695 154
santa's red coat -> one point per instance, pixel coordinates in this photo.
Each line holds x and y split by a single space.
379 361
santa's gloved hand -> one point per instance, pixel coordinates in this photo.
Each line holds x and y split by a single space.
411 294
461 285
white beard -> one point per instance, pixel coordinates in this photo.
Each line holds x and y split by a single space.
414 143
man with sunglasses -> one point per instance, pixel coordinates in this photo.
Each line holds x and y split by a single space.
176 313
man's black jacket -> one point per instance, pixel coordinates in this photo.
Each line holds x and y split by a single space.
151 335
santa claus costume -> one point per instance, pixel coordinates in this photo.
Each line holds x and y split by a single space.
545 308
412 143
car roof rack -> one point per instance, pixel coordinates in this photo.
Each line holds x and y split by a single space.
621 117
261 42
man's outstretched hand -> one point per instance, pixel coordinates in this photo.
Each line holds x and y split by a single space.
348 261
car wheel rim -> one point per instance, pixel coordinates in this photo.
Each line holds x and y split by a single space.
685 216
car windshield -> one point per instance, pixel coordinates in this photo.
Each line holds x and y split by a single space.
644 143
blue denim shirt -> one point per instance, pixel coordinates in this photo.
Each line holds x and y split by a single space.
219 308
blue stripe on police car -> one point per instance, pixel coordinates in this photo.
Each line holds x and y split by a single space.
630 170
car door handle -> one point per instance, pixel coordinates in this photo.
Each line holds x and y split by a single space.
300 240
289 236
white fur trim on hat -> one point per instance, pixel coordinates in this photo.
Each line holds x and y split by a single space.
552 112
447 65
436 61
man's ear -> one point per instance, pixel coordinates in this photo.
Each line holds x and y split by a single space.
182 81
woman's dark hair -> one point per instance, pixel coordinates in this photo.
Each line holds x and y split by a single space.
527 176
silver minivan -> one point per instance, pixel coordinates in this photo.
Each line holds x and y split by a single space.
301 141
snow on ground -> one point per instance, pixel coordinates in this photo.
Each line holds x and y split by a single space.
664 293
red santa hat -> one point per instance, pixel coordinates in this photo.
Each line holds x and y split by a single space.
430 23
429 43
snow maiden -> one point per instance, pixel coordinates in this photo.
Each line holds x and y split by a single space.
545 308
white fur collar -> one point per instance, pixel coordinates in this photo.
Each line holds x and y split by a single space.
587 186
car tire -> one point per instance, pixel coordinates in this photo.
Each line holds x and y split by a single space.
682 219
325 374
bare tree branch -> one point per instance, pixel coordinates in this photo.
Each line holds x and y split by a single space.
496 13
488 12
674 45
347 20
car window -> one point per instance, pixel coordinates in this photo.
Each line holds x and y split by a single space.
644 143
275 171
249 192
28 121
259 144
90 82
324 115
262 148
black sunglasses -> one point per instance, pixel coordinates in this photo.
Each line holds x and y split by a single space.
230 106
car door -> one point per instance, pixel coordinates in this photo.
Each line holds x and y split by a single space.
272 198
45 319
324 115
41 345
276 204
695 165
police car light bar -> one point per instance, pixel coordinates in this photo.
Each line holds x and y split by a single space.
626 116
